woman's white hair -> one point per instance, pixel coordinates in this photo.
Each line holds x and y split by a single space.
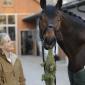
2 35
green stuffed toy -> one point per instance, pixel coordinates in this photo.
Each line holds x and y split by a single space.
50 69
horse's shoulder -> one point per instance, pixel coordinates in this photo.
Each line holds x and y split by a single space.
81 35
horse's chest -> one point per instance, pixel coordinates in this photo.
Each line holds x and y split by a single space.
69 45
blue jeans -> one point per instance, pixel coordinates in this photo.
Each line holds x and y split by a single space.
77 78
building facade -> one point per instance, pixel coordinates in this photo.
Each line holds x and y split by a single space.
23 34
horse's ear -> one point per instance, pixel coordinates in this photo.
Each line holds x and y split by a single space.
59 4
43 4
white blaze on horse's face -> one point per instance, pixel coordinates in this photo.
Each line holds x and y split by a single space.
47 24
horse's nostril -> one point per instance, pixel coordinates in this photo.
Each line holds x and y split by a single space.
52 40
46 40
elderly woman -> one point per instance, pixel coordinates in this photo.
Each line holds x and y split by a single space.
11 72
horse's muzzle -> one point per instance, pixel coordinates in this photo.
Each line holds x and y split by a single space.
49 43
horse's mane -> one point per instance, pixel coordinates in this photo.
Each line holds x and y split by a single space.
72 14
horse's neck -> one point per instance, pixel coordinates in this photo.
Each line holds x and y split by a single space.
73 32
72 22
70 27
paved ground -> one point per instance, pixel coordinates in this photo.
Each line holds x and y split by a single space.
33 71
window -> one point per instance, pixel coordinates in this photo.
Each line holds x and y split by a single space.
11 19
2 19
2 29
11 31
7 24
8 2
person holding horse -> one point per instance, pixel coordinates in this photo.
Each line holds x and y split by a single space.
11 72
57 24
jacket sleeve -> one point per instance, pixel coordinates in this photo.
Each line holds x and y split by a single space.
1 75
21 74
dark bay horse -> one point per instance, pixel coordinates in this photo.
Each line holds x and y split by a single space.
65 28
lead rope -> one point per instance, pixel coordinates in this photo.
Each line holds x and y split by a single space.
43 55
55 61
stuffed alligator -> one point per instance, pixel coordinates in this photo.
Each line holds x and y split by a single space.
49 69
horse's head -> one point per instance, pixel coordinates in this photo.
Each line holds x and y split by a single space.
49 23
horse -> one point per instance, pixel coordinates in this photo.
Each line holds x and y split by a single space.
67 29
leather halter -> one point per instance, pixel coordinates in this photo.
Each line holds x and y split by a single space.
58 32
